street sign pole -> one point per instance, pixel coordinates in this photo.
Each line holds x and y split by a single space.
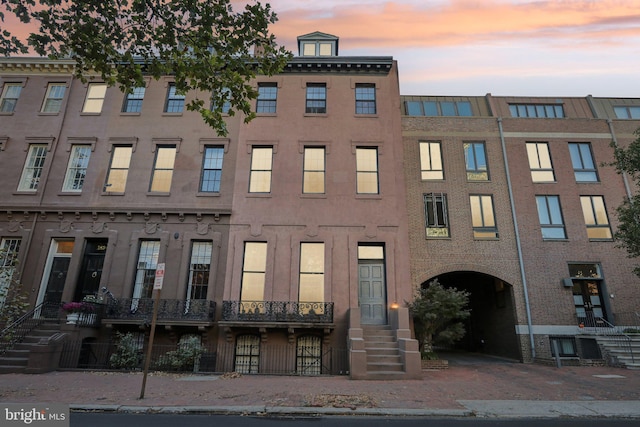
157 287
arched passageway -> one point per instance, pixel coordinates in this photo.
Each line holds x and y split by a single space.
491 327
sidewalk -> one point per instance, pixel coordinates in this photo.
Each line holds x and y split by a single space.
470 387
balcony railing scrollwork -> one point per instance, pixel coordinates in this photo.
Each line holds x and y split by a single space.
278 311
168 309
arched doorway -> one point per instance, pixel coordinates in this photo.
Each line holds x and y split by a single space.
491 327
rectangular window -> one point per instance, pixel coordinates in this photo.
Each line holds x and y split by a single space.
367 171
53 99
33 167
9 249
10 95
627 112
365 98
260 175
133 100
566 346
95 98
146 270
475 159
595 217
163 169
552 111
212 169
550 215
175 101
267 98
436 216
119 169
584 168
438 108
313 173
316 98
311 276
483 218
540 162
199 269
431 161
254 269
77 168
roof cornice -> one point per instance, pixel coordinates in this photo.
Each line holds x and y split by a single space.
20 65
340 64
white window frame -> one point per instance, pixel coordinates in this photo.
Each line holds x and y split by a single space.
33 167
96 92
77 168
6 106
53 98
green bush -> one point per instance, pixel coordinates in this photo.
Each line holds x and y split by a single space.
183 358
127 354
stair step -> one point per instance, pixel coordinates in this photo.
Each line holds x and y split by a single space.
385 367
384 359
13 361
383 351
380 345
7 369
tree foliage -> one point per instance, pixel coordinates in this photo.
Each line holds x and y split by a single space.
14 298
627 161
437 313
204 44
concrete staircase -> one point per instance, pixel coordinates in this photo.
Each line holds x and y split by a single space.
617 350
384 361
16 360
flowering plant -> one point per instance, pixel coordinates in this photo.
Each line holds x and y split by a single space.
95 298
77 307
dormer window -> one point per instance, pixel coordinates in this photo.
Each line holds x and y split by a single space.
317 49
318 44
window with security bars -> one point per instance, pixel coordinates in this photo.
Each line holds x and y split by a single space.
431 161
212 169
9 97
9 249
316 102
77 168
247 357
146 269
540 162
365 98
475 158
175 100
596 218
199 269
267 98
550 216
584 168
436 216
53 99
33 166
309 355
133 101
163 169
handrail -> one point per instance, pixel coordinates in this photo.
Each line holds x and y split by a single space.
612 331
15 332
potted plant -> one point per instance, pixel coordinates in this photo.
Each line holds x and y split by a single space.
78 311
437 313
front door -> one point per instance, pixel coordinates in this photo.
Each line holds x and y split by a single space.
372 296
91 270
587 297
55 276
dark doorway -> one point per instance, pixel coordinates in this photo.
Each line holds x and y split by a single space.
491 328
91 269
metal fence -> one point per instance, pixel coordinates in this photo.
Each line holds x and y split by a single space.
271 359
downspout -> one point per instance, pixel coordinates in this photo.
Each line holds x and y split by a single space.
625 177
523 276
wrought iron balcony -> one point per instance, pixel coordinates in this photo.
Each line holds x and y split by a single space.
168 310
278 311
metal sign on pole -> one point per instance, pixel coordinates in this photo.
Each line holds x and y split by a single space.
157 287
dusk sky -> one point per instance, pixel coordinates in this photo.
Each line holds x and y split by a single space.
475 47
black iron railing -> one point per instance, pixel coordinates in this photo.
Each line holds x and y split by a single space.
168 309
603 327
15 332
278 311
90 315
